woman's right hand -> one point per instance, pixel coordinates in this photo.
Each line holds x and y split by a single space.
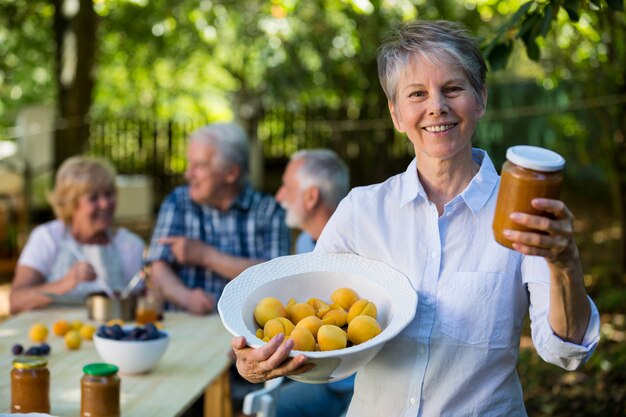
80 272
269 361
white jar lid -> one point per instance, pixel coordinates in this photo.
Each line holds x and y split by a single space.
536 158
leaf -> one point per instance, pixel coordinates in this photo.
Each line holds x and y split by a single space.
529 28
571 7
532 50
616 5
547 19
499 55
529 33
508 25
521 11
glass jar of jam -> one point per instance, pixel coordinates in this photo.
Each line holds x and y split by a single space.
529 172
100 391
149 307
30 385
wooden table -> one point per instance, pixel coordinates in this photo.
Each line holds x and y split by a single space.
195 361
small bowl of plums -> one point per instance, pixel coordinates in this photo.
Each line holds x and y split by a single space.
133 349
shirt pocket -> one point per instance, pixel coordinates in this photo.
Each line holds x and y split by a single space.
477 308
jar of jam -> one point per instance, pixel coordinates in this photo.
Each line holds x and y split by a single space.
100 391
529 172
30 385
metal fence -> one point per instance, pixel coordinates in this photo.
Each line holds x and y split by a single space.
157 148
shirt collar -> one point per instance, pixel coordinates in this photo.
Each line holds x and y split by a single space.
482 186
475 195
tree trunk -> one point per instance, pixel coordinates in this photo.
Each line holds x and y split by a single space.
76 40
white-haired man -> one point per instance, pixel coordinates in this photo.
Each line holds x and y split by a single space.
314 182
214 227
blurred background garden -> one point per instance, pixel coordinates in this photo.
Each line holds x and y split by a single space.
129 79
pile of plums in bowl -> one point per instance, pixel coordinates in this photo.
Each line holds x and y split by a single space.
133 349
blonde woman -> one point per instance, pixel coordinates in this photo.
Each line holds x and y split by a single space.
66 255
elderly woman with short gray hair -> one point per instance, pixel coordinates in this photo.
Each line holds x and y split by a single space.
433 223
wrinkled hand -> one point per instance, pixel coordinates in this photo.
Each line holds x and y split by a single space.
186 251
557 243
80 272
269 361
199 302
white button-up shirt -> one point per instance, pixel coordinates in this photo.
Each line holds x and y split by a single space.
458 356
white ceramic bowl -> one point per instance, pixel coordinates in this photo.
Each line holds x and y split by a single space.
131 356
318 275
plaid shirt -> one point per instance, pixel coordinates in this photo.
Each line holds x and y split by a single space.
254 227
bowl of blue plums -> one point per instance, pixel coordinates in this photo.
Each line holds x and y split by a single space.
133 349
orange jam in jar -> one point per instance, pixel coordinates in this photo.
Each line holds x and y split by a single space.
529 172
149 307
100 391
30 385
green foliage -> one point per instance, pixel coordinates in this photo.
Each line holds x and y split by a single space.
533 20
26 69
244 53
214 59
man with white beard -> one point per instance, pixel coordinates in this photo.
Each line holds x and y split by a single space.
314 182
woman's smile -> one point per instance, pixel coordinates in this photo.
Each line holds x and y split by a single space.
440 128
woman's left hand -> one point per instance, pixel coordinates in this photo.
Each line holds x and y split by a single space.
553 239
556 244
